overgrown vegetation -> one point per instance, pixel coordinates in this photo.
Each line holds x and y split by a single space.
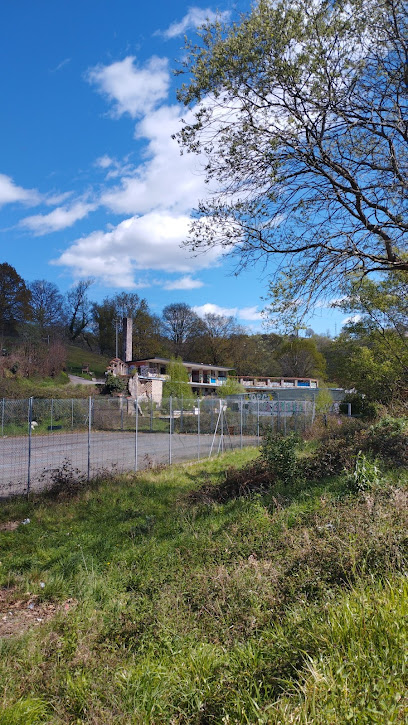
185 597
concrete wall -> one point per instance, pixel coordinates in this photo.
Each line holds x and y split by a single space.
148 389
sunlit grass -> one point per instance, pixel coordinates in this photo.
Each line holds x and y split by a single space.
285 607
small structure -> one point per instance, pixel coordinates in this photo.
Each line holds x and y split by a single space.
252 383
146 377
204 379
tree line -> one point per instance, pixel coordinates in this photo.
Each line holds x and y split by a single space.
370 353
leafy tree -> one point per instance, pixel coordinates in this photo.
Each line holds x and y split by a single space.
382 307
146 332
109 314
230 387
299 357
300 112
15 300
113 384
79 310
47 304
178 385
373 375
180 324
216 343
371 354
104 319
323 401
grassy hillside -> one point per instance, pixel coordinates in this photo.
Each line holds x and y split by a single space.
143 600
39 386
77 357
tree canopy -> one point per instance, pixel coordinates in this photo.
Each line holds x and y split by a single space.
300 113
15 300
47 303
178 384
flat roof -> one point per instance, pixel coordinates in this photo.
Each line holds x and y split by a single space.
165 361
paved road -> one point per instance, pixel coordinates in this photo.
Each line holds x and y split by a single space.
107 451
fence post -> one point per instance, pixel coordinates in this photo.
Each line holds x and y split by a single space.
72 414
240 420
52 412
257 420
30 420
181 415
121 413
2 417
222 426
151 414
170 419
89 435
198 428
136 429
278 416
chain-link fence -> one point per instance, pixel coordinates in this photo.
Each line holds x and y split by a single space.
43 441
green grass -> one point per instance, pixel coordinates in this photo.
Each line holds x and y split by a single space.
37 387
287 607
77 357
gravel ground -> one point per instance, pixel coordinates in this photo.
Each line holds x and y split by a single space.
107 451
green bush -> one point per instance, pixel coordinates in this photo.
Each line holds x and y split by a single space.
279 454
332 457
113 384
360 406
366 475
388 438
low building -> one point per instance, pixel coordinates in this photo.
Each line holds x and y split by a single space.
146 377
252 383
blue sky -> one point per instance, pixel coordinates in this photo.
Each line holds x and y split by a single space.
91 182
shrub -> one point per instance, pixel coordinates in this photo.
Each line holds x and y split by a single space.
237 483
331 458
366 475
65 480
113 384
388 438
360 406
279 455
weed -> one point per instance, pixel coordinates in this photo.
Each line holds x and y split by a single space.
63 480
365 477
279 455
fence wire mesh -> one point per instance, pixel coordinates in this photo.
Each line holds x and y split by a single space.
40 439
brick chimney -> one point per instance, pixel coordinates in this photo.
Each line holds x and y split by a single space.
127 327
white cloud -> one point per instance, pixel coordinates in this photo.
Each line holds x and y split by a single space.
55 199
193 19
133 90
250 313
151 241
58 219
351 318
243 313
61 65
166 180
103 162
10 192
158 195
210 309
184 283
